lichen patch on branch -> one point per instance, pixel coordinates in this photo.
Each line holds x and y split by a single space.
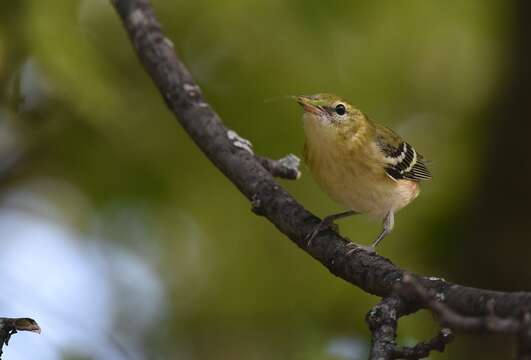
240 142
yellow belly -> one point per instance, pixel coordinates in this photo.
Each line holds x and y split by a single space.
346 178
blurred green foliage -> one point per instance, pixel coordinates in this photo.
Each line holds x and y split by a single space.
237 289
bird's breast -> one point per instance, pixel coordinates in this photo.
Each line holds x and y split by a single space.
353 177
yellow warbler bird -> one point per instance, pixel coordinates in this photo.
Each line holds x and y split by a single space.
364 166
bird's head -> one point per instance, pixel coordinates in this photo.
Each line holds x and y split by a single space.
330 111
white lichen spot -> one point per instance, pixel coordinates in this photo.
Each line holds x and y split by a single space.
435 278
392 314
292 162
137 17
168 42
446 332
240 142
189 87
243 145
440 297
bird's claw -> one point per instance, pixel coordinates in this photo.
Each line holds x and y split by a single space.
323 225
354 248
313 234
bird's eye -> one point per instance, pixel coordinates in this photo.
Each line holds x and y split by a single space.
340 109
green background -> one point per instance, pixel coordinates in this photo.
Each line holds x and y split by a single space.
94 142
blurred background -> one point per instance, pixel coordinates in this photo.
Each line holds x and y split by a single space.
124 242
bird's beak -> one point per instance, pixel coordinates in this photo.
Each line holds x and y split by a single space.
308 104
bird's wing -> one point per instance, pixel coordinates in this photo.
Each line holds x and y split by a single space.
400 158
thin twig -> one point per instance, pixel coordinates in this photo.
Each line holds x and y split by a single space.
286 167
383 323
424 348
450 318
10 326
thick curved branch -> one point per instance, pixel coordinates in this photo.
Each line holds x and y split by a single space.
370 272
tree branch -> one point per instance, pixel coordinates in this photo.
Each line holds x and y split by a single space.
287 167
10 326
450 318
253 177
423 349
489 323
9 167
383 323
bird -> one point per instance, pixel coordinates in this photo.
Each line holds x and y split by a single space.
365 167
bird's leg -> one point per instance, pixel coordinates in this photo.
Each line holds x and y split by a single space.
328 222
388 224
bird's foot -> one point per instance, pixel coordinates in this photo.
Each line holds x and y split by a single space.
353 248
323 225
